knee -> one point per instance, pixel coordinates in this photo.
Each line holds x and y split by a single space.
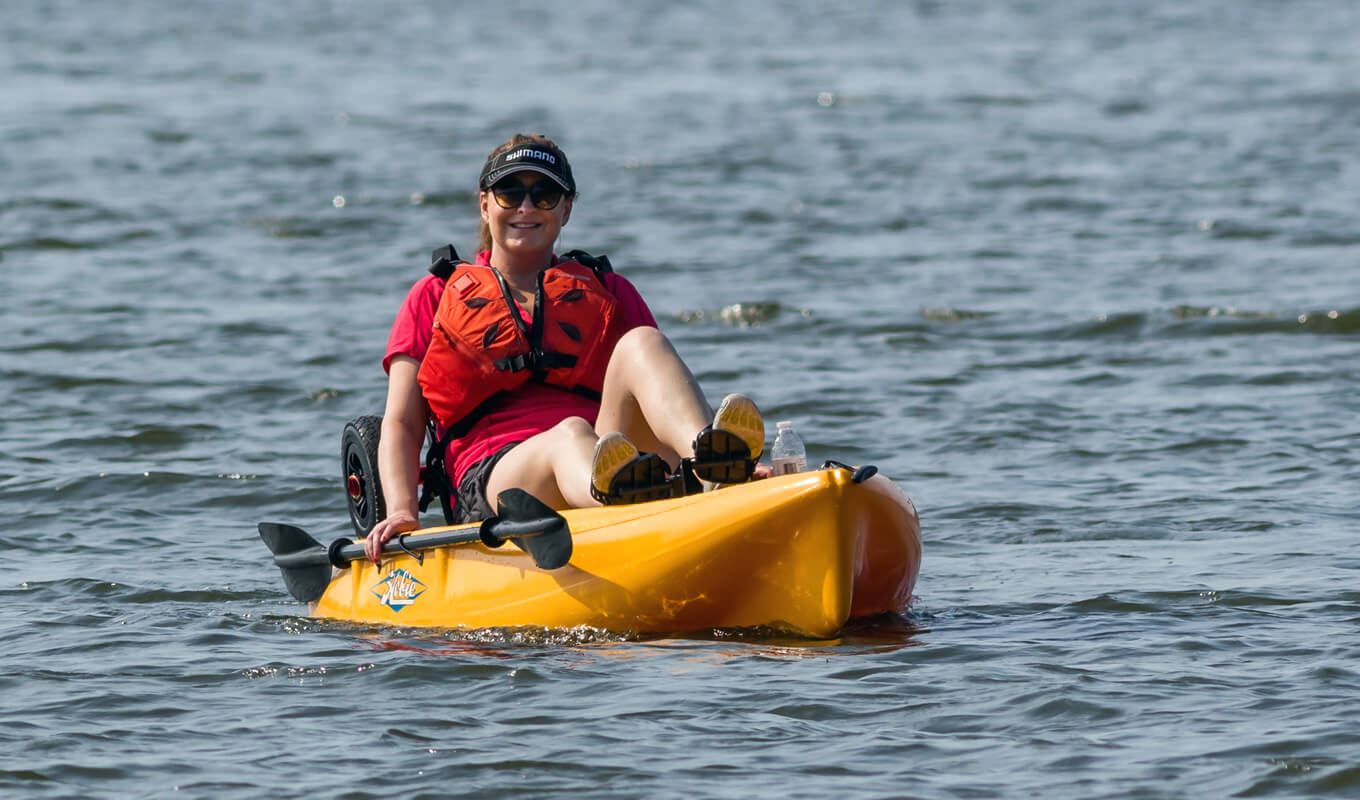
574 428
643 341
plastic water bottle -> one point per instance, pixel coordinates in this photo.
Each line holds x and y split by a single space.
788 455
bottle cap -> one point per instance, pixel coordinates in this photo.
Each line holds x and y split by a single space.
787 423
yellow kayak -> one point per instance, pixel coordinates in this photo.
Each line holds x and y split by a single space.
803 553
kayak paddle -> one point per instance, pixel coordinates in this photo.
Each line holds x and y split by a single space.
524 519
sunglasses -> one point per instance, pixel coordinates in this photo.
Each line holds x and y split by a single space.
544 194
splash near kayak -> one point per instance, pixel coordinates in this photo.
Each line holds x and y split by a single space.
803 553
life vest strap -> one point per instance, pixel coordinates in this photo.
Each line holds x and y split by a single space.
435 481
600 264
438 482
444 261
536 362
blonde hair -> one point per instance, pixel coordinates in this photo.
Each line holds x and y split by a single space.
484 238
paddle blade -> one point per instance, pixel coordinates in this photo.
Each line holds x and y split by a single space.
302 560
534 527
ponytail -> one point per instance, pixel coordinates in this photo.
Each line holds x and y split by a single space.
483 238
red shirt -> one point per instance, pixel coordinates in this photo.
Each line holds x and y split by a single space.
527 411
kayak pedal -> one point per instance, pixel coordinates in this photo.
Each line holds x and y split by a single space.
720 457
647 477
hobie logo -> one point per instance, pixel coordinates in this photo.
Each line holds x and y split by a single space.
398 590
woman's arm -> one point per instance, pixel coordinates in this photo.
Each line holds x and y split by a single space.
403 434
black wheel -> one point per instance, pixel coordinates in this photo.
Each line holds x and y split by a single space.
359 467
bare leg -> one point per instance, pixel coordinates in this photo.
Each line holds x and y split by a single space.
651 396
553 466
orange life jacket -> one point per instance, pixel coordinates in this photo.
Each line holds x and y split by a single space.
481 346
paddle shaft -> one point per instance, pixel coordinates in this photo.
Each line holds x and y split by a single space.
534 528
500 530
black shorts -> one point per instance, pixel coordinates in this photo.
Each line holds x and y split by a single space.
470 501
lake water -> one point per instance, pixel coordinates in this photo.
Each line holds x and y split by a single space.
1082 277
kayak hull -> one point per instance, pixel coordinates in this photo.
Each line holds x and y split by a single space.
804 553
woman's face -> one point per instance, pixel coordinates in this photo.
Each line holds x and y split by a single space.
525 229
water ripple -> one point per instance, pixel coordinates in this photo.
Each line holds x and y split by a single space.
1083 292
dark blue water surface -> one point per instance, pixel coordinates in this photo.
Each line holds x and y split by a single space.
1081 276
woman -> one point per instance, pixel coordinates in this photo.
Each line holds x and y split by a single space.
565 417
